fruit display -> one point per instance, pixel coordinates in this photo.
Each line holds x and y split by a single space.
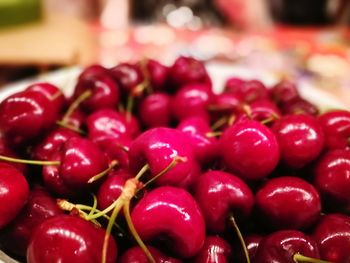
147 163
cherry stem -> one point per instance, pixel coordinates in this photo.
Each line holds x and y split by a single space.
297 257
175 160
103 173
129 106
33 162
56 95
134 233
213 134
247 110
94 205
240 237
127 194
85 95
219 123
70 127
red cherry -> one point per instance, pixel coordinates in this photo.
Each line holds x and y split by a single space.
300 138
249 149
288 202
284 91
171 212
214 250
336 126
14 191
332 179
299 106
157 73
252 242
127 75
69 239
136 255
5 150
281 246
221 194
154 110
332 235
40 206
233 85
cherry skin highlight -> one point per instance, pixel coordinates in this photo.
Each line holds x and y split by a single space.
214 250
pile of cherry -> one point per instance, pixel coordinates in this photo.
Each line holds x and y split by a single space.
145 163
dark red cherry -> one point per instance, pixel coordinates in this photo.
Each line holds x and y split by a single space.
155 110
14 191
300 138
332 179
226 102
52 143
252 242
284 91
117 150
170 213
234 85
93 70
157 74
288 202
299 106
26 115
336 126
191 100
136 255
127 75
220 195
104 90
332 235
69 239
39 207
214 250
158 147
204 145
81 160
249 149
7 151
249 90
281 246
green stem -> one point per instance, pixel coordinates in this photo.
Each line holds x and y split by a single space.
219 123
85 95
94 206
126 209
70 127
103 173
129 106
213 134
240 237
33 162
301 258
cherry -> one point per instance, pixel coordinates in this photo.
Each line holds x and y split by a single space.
225 103
128 76
284 91
199 132
52 143
39 207
300 138
333 238
157 73
117 149
158 147
105 124
25 115
249 149
74 120
14 191
155 110
221 195
249 91
65 238
336 126
5 150
252 242
288 202
234 85
171 212
52 93
136 255
299 106
191 100
187 70
93 70
332 178
287 246
103 91
214 250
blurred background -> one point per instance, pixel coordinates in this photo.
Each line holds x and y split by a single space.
301 39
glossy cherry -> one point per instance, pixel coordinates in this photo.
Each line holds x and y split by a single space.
299 106
204 145
157 74
158 147
249 149
155 110
40 206
332 179
332 235
336 126
249 90
172 213
300 137
136 255
284 91
127 75
221 195
69 239
191 100
281 246
214 250
14 191
288 202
